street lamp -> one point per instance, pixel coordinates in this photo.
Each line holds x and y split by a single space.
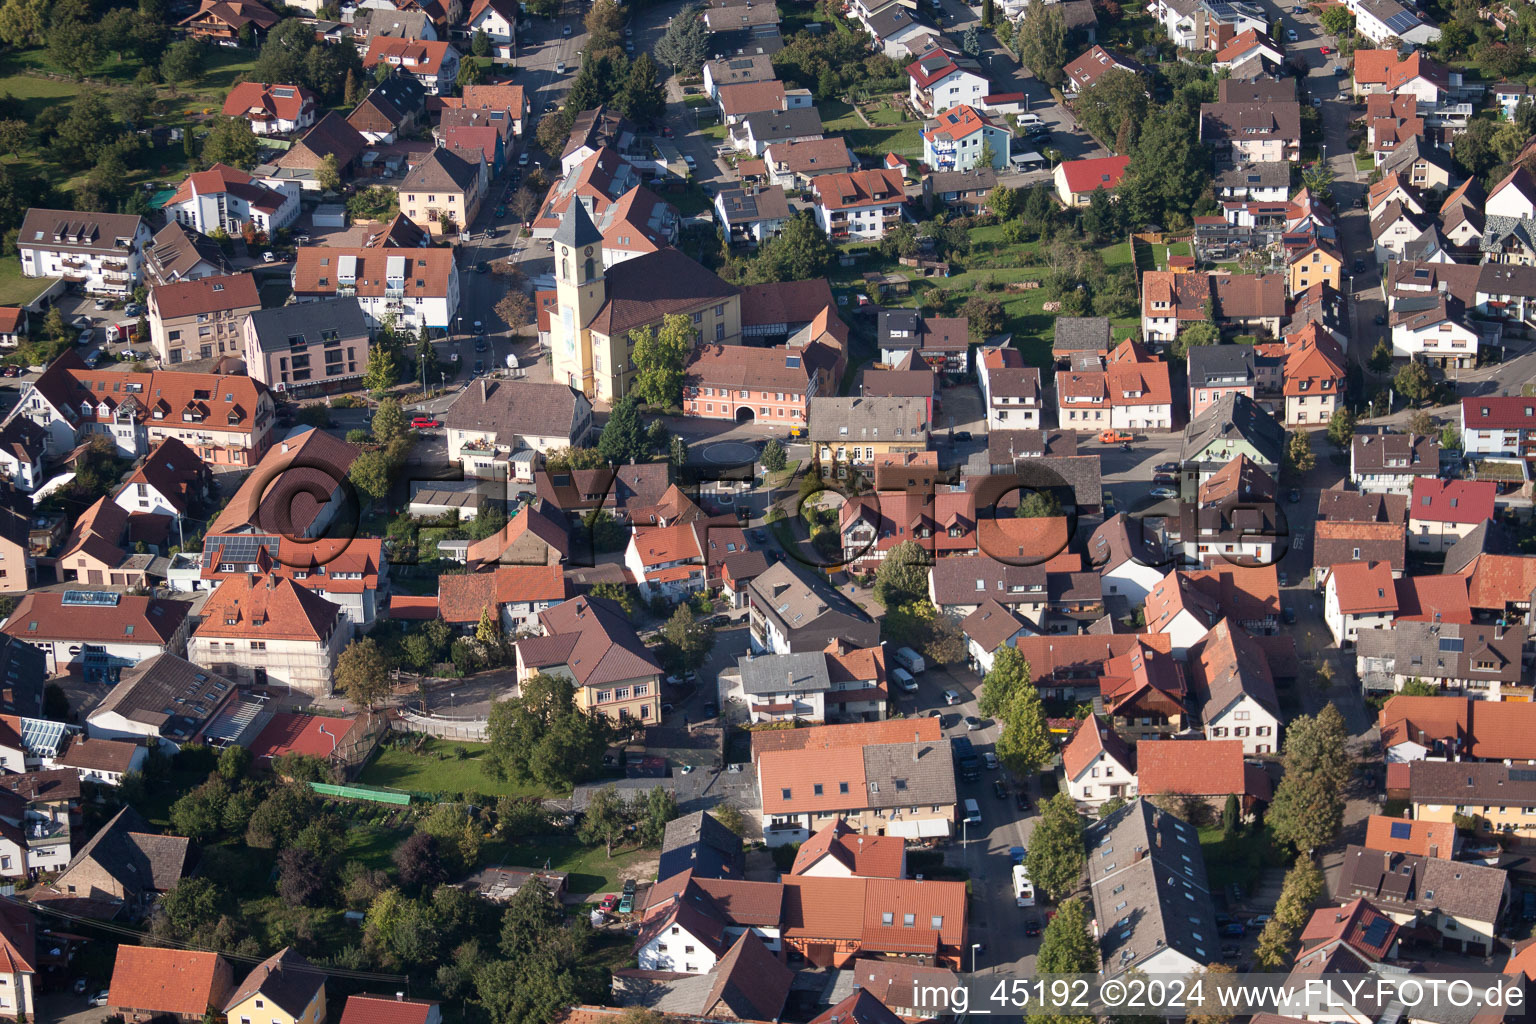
974 947
452 698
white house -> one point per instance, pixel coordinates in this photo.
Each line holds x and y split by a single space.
666 560
1432 330
498 20
1232 684
1010 391
227 199
1358 595
97 633
418 287
1175 606
102 253
102 761
1380 20
961 137
692 925
860 205
1098 765
272 109
492 419
1129 561
1515 196
988 628
938 81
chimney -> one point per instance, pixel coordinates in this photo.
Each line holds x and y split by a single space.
482 390
399 997
1386 861
915 743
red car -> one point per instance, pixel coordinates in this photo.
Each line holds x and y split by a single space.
425 423
1324 51
609 902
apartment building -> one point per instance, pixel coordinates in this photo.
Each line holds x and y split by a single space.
201 319
102 253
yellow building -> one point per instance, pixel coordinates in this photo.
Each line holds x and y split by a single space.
285 988
1317 262
591 643
596 308
857 431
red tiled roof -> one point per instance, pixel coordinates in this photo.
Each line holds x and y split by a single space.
260 101
1452 501
863 856
267 607
1373 66
1494 581
288 733
1196 767
1404 835
1086 175
859 188
417 56
959 122
384 1010
153 980
1493 412
1434 599
1357 923
1364 588
853 734
1093 738
221 178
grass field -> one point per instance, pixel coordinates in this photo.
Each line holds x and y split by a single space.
373 845
16 290
891 134
398 768
591 869
1240 859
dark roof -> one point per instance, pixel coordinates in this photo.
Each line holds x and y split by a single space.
443 169
286 978
169 693
1486 538
784 124
274 327
1075 333
643 290
23 668
137 858
1236 416
750 980
808 612
697 842
516 407
1220 364
576 228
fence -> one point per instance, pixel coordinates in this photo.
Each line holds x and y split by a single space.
475 730
378 796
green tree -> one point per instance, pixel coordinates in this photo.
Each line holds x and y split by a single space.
75 46
1201 332
642 99
902 574
1318 179
1308 808
1169 172
1004 202
605 820
619 593
480 43
234 762
800 252
22 22
1113 102
1299 457
985 316
1341 428
352 92
623 439
382 373
677 452
1110 806
1336 21
362 673
470 73
1450 436
1025 743
1056 858
1009 673
660 356
731 817
488 631
1231 817
1068 946
773 459
328 174
684 46
182 64
1038 505
1381 357
659 807
542 736
686 640
389 421
372 474
1413 381
199 814
1041 41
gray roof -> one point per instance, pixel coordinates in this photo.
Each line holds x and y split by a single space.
781 673
178 249
1506 279
1486 538
576 228
1122 539
1447 650
977 179
137 858
1413 150
898 777
808 612
972 579
1220 364
444 170
1235 416
889 20
770 125
1075 333
1396 454
513 408
863 420
286 978
1149 888
106 234
698 842
1074 478
309 321
756 67
1004 447
1395 881
744 206
166 692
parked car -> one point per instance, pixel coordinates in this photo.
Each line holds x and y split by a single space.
1289 615
627 903
1166 467
990 760
609 902
522 160
269 257
962 436
1164 478
133 309
86 337
951 697
1000 789
1032 928
1164 492
103 303
972 723
99 999
425 422
479 344
479 327
1021 799
559 67
479 366
565 31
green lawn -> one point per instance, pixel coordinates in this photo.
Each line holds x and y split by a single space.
1240 860
891 134
373 845
16 290
591 869
398 768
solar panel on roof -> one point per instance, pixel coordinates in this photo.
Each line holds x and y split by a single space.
1451 644
243 547
1376 933
90 598
1402 830
1402 21
1522 775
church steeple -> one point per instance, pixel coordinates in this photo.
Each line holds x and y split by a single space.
578 246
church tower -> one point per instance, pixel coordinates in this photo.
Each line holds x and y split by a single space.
581 291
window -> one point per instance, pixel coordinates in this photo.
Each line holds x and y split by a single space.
909 920
887 918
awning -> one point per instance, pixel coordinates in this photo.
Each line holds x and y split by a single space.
934 827
904 829
918 828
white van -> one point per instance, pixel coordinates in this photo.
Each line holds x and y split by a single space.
1023 889
972 811
1027 119
904 679
910 660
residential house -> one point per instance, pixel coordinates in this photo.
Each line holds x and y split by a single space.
18 941
1150 893
1498 427
222 21
510 100
1216 370
961 192
1422 165
832 921
752 215
1129 559
272 109
307 346
417 287
176 984
863 204
739 70
1233 425
1208 771
442 193
362 1009
1514 196
1388 463
896 32
962 137
1170 301
737 101
1317 262
394 106
1440 512
101 761
1251 44
201 319
1433 329
594 129
838 851
125 867
1314 376
589 641
871 782
1097 764
434 64
284 988
1479 661
1336 541
1010 391
838 684
97 633
498 20
1383 20
492 421
1075 335
848 432
270 628
1140 395
227 199
22 447
136 708
179 253
1077 180
1252 133
535 536
789 611
514 594
331 136
1087 69
1234 520
1358 926
1259 183
598 306
1461 901
102 253
631 219
939 80
754 133
1358 595
986 630
170 481
942 342
1231 683
794 165
769 386
712 925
